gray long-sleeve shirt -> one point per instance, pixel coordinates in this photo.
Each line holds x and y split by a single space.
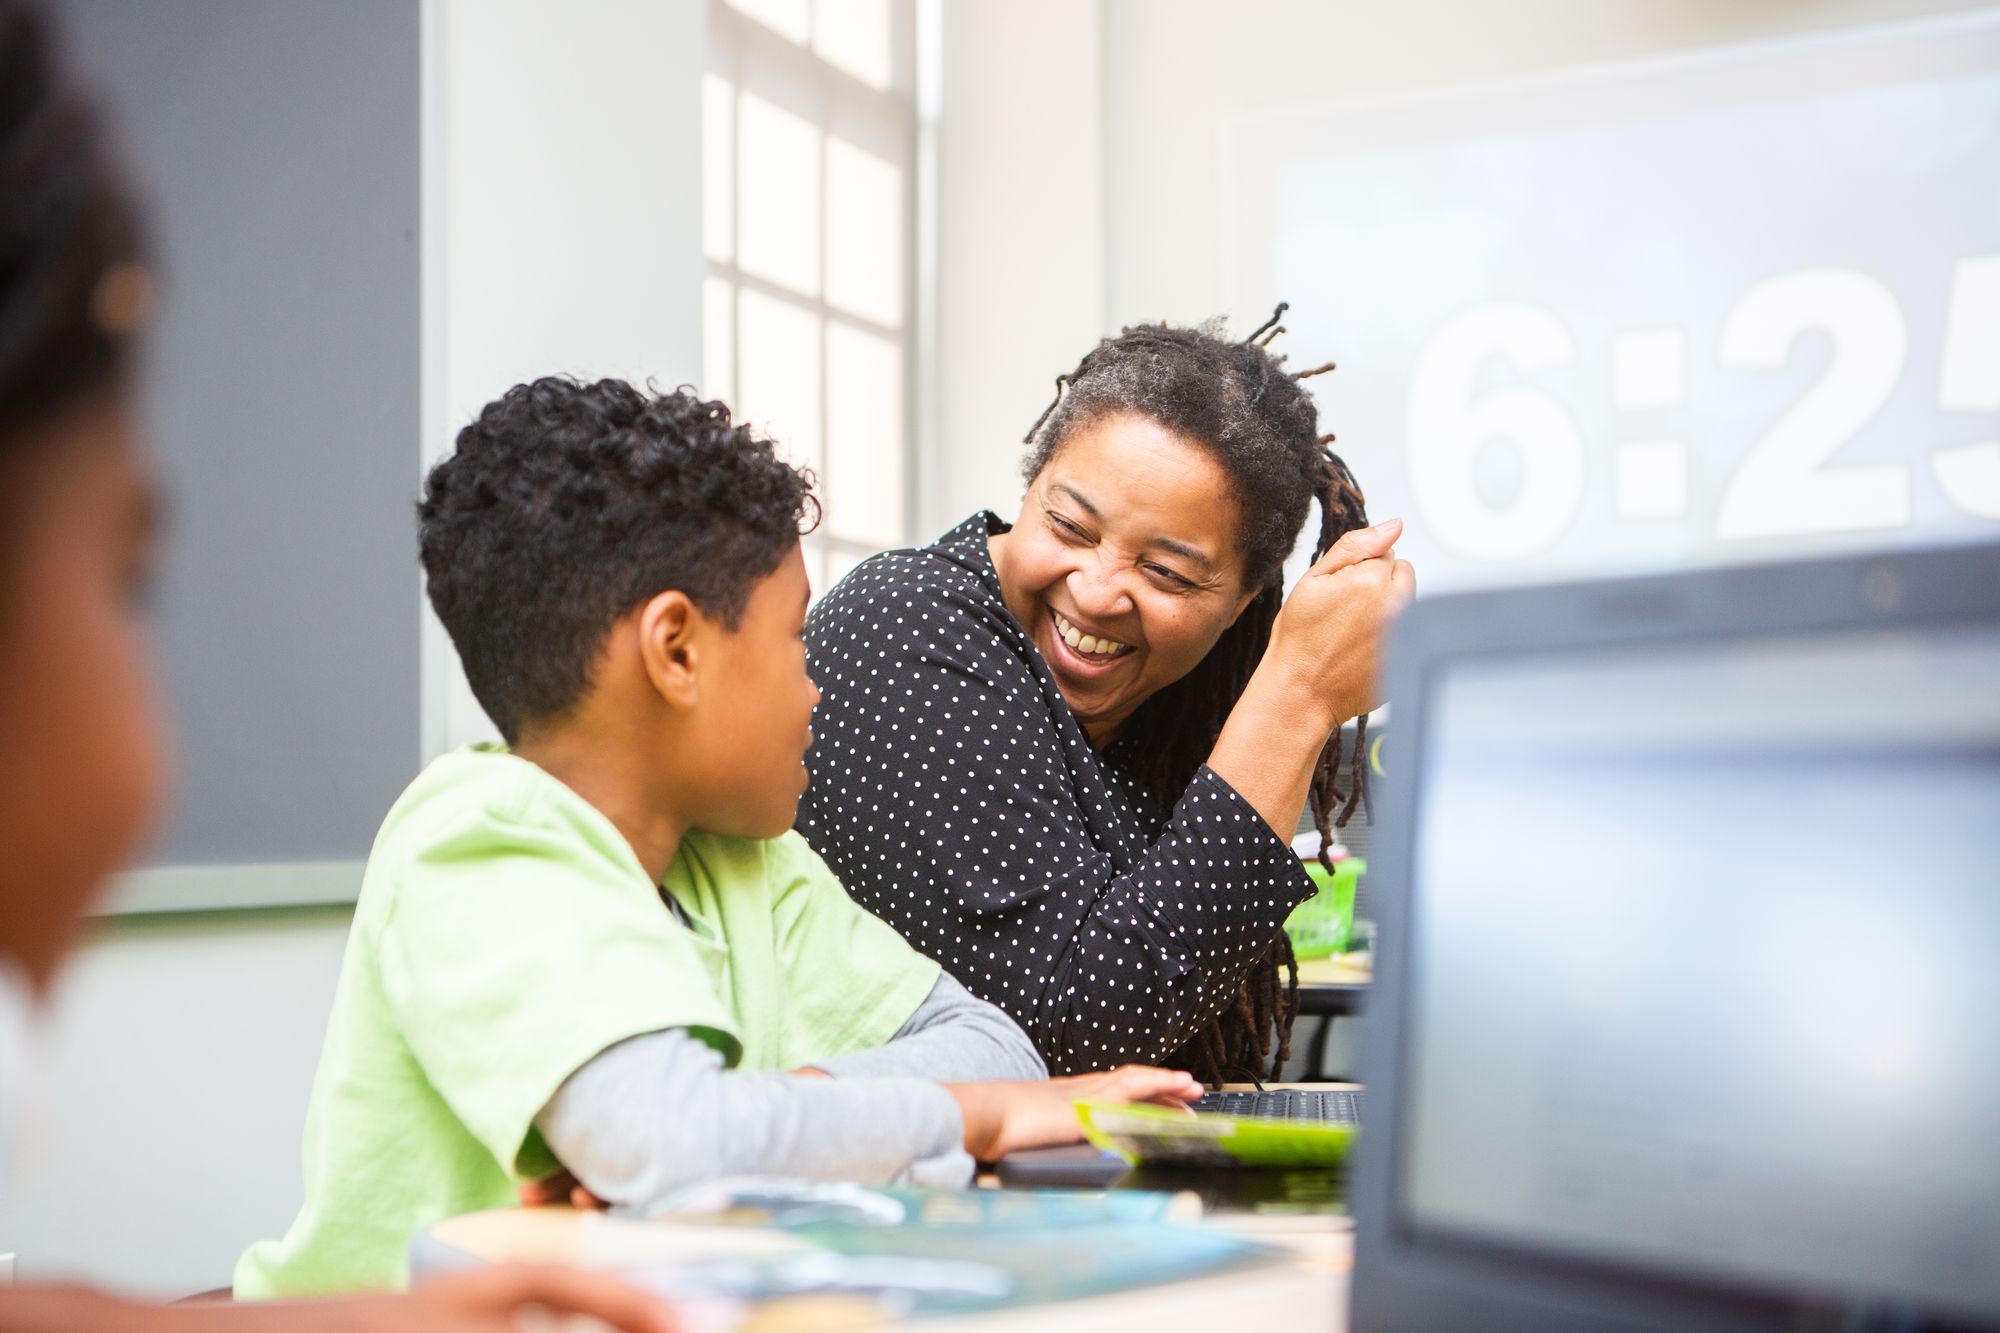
658 1112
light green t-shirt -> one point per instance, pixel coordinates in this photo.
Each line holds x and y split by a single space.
505 934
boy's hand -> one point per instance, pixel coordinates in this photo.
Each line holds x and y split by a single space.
1004 1117
562 1187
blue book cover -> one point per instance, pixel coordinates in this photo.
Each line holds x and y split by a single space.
905 1252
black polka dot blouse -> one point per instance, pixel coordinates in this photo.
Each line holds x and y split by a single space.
958 798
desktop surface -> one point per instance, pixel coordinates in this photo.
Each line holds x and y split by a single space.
1307 1291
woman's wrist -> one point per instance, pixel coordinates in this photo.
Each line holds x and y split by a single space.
1271 743
1293 699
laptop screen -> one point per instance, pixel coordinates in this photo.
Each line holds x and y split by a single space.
1705 963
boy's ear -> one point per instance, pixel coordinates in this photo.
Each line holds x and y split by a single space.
669 646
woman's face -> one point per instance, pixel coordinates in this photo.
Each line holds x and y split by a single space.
1123 565
81 752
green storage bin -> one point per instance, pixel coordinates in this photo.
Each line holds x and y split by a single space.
1320 925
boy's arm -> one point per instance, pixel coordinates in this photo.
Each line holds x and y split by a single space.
658 1112
953 1037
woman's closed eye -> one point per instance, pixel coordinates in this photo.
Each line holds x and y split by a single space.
1172 580
1068 528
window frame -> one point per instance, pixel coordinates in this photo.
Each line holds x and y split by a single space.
753 58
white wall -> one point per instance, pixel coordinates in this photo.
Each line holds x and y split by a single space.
1021 238
181 1053
564 210
1177 73
1080 168
1081 180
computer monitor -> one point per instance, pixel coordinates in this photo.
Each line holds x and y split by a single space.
1687 1010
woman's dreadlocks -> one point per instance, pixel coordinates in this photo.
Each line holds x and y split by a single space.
1236 400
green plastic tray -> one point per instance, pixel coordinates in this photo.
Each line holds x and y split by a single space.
1320 925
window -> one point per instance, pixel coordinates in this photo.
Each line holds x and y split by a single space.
809 204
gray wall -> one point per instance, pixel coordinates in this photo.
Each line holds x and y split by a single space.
279 144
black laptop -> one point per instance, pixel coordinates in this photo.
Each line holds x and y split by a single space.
1686 1011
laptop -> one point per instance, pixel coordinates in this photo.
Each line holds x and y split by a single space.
1340 1106
1686 1010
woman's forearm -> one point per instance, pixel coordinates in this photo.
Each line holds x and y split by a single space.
1270 744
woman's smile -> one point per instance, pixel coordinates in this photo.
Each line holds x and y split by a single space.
1090 649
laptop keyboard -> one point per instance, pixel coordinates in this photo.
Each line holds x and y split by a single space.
1327 1108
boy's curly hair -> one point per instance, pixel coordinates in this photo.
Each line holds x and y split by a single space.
565 505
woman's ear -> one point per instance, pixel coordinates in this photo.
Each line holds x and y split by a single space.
670 647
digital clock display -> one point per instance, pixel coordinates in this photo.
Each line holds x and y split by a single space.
1720 307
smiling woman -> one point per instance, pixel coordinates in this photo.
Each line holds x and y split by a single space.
1063 756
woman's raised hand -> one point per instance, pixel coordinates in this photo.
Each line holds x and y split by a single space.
1327 640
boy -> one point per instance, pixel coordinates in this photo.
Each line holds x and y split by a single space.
569 951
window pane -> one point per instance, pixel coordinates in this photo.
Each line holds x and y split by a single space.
864 233
777 375
864 401
777 229
855 35
792 18
718 165
718 340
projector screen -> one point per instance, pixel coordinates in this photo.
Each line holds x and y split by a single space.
1722 307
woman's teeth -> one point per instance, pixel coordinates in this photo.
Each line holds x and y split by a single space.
1088 644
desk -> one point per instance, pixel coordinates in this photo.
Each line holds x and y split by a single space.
1342 974
1330 999
1333 986
1305 1291
1329 988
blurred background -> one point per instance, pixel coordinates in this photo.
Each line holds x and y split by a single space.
1612 287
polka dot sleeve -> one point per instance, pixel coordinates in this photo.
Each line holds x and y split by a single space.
956 796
